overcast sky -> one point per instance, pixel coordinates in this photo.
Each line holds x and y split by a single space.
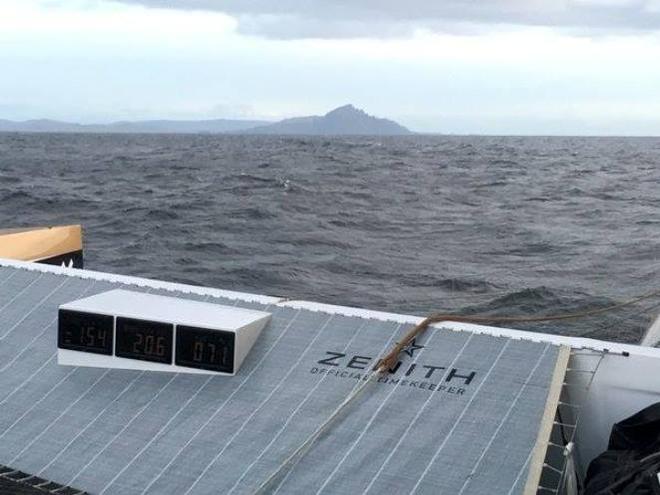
453 66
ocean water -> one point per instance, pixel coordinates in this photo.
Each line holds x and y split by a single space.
488 225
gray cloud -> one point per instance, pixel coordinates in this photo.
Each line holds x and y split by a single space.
291 19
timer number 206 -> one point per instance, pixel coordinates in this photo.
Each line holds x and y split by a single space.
149 345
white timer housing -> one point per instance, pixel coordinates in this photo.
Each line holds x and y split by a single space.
133 330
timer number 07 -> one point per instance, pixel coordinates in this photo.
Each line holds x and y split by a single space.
208 352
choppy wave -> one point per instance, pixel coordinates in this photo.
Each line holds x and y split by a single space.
505 226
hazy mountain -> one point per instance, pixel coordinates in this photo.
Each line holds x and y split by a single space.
41 125
343 120
145 126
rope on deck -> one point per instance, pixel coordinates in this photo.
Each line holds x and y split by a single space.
389 360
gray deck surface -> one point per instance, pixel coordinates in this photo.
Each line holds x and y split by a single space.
130 432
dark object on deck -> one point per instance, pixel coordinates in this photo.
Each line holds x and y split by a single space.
15 482
10 487
632 461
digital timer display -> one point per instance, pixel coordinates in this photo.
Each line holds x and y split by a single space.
144 340
205 349
131 330
86 332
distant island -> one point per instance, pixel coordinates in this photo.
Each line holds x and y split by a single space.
345 120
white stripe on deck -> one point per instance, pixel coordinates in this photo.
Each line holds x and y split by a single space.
221 407
504 419
268 397
89 425
21 292
43 398
60 416
414 420
458 421
377 412
33 309
43 331
292 468
126 426
11 274
304 401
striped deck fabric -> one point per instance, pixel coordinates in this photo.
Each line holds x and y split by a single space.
459 415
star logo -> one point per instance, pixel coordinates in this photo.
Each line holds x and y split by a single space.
412 347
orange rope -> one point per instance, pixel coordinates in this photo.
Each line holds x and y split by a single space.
390 359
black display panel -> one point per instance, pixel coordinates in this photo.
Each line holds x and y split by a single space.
85 332
204 349
144 340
